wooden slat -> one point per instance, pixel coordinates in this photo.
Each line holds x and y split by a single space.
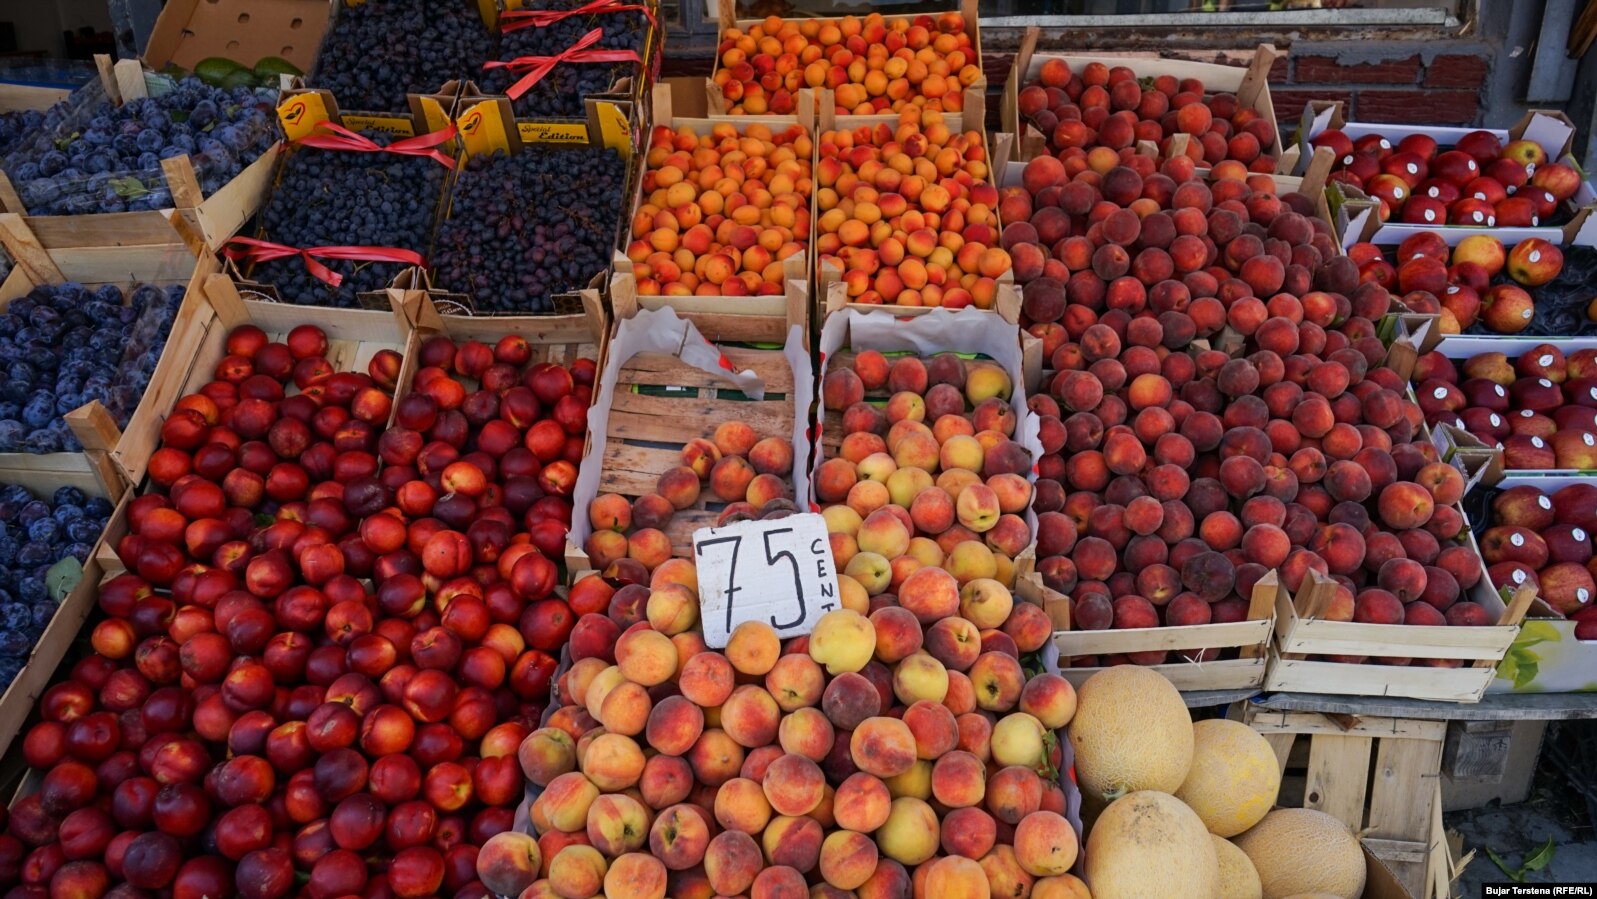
1335 784
1231 674
1281 745
657 369
660 419
1444 684
1265 721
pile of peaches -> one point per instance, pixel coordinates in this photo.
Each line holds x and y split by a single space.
721 211
331 638
1477 281
1478 182
1540 407
909 216
884 754
872 65
1103 112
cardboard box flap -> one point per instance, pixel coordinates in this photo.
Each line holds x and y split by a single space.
245 31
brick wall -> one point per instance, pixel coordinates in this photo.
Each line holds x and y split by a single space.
1403 85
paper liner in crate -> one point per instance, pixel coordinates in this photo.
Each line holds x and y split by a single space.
662 331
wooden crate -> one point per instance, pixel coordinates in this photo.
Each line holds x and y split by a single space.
20 696
1379 776
195 220
831 293
1249 639
708 312
973 113
112 455
1300 632
662 385
1251 86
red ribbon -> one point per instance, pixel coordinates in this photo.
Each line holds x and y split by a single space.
248 249
536 67
517 19
331 136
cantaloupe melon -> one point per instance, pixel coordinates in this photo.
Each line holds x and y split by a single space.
1131 732
1234 776
1238 880
1300 850
1148 844
1311 896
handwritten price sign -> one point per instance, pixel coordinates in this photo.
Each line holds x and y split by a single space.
778 572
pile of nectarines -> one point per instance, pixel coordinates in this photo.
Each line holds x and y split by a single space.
872 65
1176 477
885 749
1461 284
1479 182
1544 538
1104 112
721 211
908 214
1541 407
750 475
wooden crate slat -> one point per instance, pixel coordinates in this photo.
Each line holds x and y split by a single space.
675 420
1338 770
659 370
1400 806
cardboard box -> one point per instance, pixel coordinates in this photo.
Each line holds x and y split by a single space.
244 31
1251 86
722 316
973 105
1357 216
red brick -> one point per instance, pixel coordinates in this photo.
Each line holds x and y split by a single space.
1419 107
1451 70
1289 103
1278 73
1329 70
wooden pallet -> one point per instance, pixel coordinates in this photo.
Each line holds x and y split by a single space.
660 402
1379 776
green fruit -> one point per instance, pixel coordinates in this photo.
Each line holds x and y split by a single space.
241 78
270 67
214 70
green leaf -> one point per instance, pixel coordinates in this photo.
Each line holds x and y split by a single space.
264 520
1502 866
1508 668
1526 675
63 577
1541 858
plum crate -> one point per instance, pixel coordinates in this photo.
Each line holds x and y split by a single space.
664 383
111 456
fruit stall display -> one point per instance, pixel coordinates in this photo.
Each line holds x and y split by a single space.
363 66
1084 106
908 217
1537 402
1400 180
722 209
687 434
872 65
528 227
330 230
554 55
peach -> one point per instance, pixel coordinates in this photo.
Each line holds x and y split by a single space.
883 747
968 832
707 679
547 753
1405 505
843 640
910 834
613 762
793 841
679 836
794 785
978 508
730 478
930 594
674 725
955 642
905 484
795 682
920 678
1018 739
884 534
985 602
956 877
753 648
848 859
577 871
636 874
646 657
731 862
1013 792
750 716
699 456
870 570
862 803
617 824
1050 699
806 732
959 779
740 805
626 708
1045 844
566 801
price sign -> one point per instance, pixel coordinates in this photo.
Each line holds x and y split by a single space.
778 572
